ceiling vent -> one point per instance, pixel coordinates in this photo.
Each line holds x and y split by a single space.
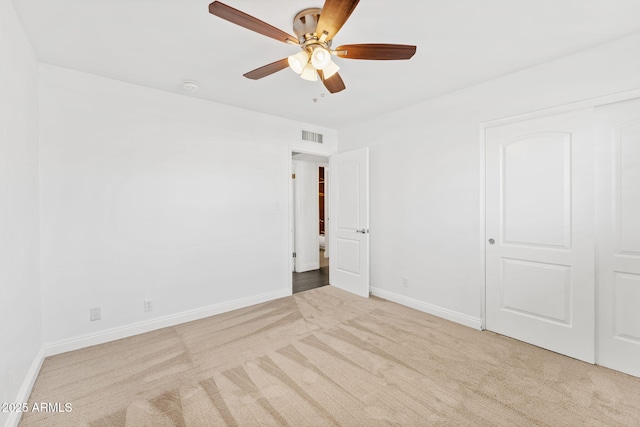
311 136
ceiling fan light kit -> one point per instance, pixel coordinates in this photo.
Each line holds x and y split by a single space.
330 70
320 58
315 29
298 61
309 73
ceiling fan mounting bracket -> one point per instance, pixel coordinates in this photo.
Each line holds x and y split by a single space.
305 23
304 27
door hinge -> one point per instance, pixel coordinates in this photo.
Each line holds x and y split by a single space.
294 254
293 176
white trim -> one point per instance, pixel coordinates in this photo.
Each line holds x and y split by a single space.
565 108
291 262
25 389
445 313
483 226
108 335
291 208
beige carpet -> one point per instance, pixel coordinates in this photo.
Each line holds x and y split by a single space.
325 357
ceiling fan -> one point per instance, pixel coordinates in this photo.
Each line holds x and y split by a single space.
315 29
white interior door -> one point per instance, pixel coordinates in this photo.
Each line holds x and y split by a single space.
307 228
619 237
292 215
539 229
349 222
327 211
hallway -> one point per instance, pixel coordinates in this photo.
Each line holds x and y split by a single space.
310 279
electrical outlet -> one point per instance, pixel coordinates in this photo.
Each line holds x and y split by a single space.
405 281
94 313
148 306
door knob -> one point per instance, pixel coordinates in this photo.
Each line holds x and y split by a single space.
363 231
491 241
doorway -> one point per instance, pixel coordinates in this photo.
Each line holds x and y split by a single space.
310 242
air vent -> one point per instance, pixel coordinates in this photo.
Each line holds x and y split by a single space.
311 136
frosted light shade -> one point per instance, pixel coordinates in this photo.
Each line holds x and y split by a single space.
320 58
298 61
309 73
330 70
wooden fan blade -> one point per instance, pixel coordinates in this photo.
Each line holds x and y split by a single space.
334 83
267 70
249 22
376 51
333 16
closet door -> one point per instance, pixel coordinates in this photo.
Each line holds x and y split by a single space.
619 236
540 283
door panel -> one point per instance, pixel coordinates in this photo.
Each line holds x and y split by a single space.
626 296
349 222
547 300
539 216
627 168
348 195
619 239
537 211
348 251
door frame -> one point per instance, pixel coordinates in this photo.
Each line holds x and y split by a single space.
563 108
291 206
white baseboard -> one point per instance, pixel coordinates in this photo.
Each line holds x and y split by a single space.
445 313
25 389
108 335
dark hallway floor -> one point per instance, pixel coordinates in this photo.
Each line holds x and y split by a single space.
310 279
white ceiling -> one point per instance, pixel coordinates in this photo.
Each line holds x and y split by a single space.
162 43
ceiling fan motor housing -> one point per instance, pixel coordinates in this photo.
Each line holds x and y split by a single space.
305 23
304 27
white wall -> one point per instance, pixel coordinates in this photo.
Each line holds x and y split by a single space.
426 179
20 296
147 195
